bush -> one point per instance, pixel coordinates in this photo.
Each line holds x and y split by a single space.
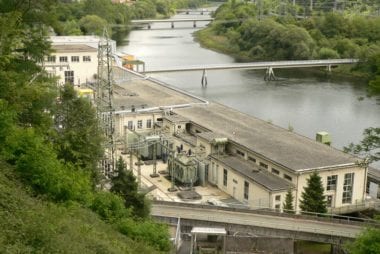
156 235
109 206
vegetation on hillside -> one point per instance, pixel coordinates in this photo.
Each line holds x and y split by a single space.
91 16
368 242
50 146
263 32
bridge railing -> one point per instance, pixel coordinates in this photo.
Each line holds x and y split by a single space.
324 217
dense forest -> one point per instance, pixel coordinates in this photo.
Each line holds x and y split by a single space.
91 16
50 146
273 30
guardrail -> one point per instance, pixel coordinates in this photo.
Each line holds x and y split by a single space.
333 218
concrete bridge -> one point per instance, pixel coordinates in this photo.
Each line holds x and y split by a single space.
171 21
268 66
259 222
194 11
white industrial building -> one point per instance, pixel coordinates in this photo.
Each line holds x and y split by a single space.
253 161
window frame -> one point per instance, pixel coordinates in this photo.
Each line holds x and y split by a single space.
75 59
63 59
225 177
86 59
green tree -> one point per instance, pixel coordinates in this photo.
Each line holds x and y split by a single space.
79 137
125 185
288 204
369 146
313 199
368 242
93 24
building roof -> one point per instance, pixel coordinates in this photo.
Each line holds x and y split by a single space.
374 174
73 48
252 171
174 118
133 90
274 143
210 231
210 136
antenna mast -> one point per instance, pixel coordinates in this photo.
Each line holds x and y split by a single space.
104 103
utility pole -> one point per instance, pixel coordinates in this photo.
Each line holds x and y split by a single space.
104 103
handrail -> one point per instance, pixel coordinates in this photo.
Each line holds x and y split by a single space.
334 218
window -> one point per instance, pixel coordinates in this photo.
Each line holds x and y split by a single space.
130 125
63 59
251 159
148 123
275 171
329 199
246 190
74 58
240 152
263 165
225 177
235 181
50 59
347 188
69 77
277 197
139 124
86 58
277 207
289 178
331 182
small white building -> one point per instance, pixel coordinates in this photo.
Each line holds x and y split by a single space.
74 59
74 63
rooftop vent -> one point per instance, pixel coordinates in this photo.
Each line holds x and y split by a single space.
323 137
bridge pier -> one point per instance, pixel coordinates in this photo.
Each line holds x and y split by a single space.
204 79
329 68
269 75
172 24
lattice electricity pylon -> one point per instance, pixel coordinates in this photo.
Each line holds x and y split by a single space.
104 103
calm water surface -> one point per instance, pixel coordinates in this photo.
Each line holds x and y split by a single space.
305 101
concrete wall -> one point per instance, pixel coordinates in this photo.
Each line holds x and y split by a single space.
258 196
254 244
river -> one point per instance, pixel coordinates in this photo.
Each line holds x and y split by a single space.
303 101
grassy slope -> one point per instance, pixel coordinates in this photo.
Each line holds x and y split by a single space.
31 225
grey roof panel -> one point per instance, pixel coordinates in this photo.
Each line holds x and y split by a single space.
252 171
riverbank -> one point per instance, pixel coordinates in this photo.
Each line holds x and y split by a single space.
219 43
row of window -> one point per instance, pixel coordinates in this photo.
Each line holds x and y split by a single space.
148 124
263 165
64 59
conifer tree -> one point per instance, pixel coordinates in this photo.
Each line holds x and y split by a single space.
313 199
288 204
124 184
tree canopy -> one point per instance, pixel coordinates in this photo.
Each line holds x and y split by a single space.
369 147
